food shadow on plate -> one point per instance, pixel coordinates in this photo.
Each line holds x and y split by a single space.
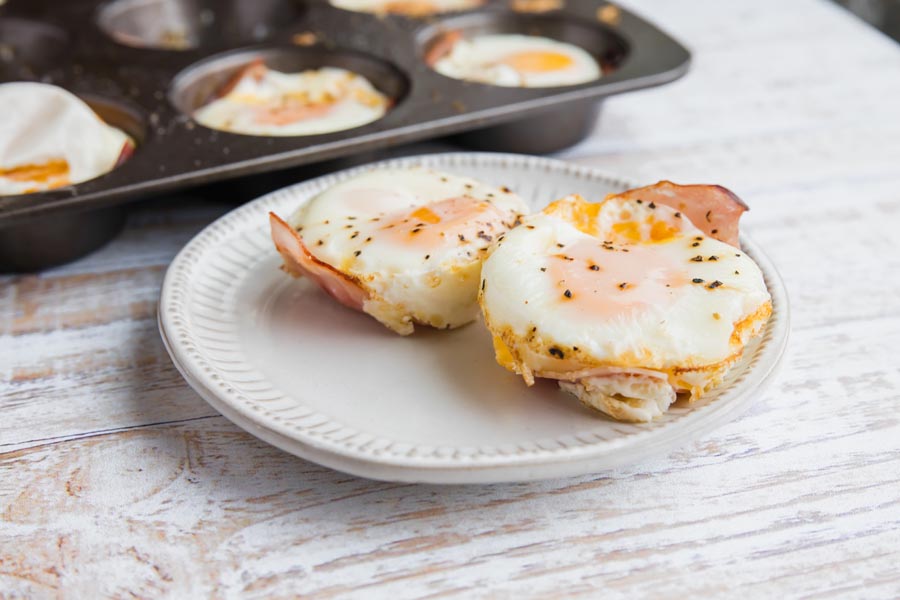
452 373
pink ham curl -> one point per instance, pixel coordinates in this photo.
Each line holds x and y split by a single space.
299 261
442 46
126 153
256 70
711 208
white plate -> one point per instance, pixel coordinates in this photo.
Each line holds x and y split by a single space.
283 361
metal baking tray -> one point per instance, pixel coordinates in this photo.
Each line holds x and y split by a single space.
99 51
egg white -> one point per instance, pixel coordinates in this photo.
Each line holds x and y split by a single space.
378 229
352 99
485 59
576 291
412 8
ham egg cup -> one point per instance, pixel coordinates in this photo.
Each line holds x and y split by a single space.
512 60
50 138
264 102
627 302
402 245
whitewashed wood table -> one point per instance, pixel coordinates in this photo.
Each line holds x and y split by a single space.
116 479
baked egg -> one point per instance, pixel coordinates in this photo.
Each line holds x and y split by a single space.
50 138
625 302
404 245
512 60
264 102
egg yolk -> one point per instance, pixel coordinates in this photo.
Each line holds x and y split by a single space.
425 214
582 215
538 61
411 8
662 231
597 276
291 106
597 279
49 175
291 113
452 221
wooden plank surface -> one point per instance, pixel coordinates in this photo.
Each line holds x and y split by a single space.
116 479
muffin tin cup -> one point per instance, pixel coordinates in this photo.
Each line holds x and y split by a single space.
543 133
199 84
57 239
156 90
29 47
192 24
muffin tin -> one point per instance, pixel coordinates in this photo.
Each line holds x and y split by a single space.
145 65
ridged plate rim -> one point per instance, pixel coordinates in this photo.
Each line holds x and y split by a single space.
230 384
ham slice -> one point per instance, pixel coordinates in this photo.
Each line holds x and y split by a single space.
299 261
256 69
442 46
713 209
126 152
634 395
